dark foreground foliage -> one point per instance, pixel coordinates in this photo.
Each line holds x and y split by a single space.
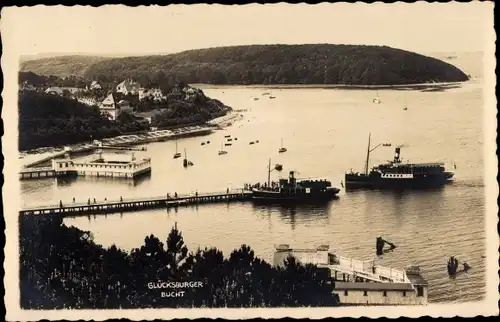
282 64
61 267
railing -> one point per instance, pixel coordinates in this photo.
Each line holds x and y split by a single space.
366 268
36 169
180 197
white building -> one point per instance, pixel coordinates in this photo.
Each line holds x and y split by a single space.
72 90
157 94
362 282
115 165
54 91
88 101
95 85
112 108
128 87
143 93
109 106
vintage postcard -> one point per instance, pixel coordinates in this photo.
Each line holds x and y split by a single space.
307 161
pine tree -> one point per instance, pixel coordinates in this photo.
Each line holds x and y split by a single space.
177 252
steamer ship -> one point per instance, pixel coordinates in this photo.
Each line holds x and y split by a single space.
294 190
398 175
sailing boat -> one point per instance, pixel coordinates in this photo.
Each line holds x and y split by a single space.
376 99
282 149
222 150
177 154
185 162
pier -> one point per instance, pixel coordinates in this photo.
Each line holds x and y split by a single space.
361 282
46 159
100 164
37 173
136 204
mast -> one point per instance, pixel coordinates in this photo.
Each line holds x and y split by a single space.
368 154
282 143
176 145
185 154
269 174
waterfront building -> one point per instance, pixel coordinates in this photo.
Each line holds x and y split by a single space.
360 282
114 165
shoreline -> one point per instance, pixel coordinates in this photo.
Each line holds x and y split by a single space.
138 138
333 86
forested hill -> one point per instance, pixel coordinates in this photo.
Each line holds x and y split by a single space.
282 64
60 66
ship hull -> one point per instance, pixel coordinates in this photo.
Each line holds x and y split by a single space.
362 181
276 197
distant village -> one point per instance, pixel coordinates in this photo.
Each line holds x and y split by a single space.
127 96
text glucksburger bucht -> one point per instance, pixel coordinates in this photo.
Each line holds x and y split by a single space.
173 289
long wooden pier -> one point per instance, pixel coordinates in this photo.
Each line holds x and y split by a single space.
124 205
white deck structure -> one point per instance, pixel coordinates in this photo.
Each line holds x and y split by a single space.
114 165
362 282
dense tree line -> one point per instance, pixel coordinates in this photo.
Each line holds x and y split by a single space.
283 64
179 108
62 267
60 66
51 120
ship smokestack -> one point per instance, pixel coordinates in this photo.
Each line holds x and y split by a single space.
396 157
292 178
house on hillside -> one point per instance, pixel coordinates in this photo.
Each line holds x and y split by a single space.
27 87
72 90
90 101
143 93
157 94
191 93
112 108
128 86
54 91
95 85
154 93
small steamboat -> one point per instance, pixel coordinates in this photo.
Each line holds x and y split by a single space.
293 190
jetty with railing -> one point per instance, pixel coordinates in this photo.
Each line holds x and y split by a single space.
91 206
360 282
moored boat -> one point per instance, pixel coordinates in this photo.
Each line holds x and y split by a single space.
398 175
177 154
282 149
294 190
222 151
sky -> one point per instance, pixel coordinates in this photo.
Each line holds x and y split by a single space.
120 30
